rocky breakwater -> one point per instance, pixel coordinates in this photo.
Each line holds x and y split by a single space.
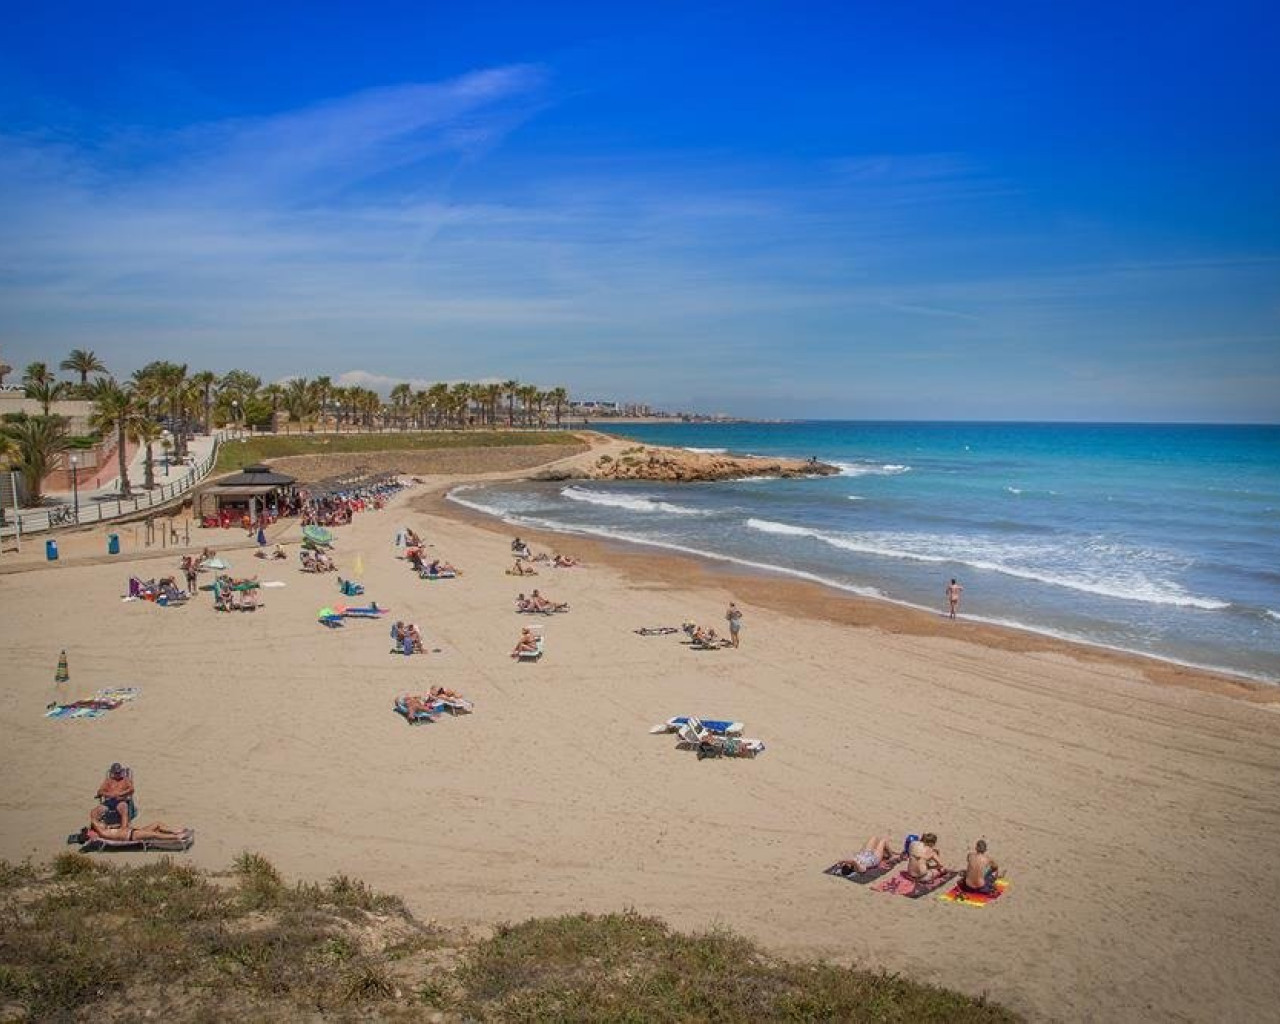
678 465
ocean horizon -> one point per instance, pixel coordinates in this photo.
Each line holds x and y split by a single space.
1161 539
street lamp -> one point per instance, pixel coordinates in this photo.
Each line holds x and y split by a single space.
75 487
235 413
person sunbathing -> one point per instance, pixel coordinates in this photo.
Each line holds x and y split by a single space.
541 604
527 644
876 852
923 862
566 562
981 871
703 637
415 705
439 568
520 569
523 604
126 833
411 539
443 693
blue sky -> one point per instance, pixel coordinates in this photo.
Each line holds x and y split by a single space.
1022 211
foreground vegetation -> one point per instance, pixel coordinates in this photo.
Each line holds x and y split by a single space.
86 939
277 446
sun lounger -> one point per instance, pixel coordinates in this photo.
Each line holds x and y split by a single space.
536 653
96 844
720 726
438 576
349 588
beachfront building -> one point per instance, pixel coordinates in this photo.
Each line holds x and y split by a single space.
243 494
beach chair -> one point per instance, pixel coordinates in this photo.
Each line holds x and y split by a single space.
693 736
96 844
349 588
454 705
369 611
719 726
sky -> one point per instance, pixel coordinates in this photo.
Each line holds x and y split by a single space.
943 211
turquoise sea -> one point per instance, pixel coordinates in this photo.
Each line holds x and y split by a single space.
1161 539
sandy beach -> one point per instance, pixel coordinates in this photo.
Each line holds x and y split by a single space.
1122 795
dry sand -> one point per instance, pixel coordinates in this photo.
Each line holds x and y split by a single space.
1123 809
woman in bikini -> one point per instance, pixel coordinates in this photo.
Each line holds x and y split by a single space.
126 833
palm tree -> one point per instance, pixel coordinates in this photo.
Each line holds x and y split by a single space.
510 387
46 392
559 398
37 373
37 441
324 395
205 381
146 431
274 394
166 383
299 398
116 409
401 399
83 362
530 399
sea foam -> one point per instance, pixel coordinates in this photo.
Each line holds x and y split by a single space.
630 502
1114 581
870 469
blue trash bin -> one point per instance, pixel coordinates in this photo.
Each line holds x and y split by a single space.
51 550
113 543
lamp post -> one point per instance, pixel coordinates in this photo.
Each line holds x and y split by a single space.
235 414
75 488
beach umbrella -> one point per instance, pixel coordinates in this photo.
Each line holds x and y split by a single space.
61 677
317 534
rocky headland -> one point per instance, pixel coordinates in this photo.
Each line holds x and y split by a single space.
677 465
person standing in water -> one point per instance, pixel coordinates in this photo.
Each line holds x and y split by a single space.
953 596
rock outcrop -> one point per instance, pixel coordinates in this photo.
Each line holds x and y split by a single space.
675 465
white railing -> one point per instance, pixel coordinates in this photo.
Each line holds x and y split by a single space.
98 509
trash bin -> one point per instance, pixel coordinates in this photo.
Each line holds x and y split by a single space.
113 543
51 550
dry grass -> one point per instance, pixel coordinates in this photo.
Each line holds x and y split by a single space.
85 939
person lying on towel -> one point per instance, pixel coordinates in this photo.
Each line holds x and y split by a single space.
876 851
542 604
128 833
923 861
981 871
439 568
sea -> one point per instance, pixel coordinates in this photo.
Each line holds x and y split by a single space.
1161 539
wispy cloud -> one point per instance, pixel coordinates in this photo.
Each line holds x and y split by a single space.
394 230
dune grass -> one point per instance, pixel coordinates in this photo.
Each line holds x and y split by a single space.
86 939
234 454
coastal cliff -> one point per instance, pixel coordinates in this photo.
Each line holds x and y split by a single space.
676 465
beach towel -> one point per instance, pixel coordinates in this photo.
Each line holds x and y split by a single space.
863 877
99 704
215 563
903 884
274 583
959 894
720 726
656 630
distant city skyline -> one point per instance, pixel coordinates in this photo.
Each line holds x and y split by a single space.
843 212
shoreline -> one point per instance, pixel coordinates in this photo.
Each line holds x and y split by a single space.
780 591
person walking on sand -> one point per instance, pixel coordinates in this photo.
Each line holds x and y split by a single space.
953 596
734 618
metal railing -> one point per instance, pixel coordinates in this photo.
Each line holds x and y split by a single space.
98 509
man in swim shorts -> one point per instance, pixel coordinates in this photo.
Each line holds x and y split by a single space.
953 596
981 872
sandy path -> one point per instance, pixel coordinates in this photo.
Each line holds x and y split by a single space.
266 732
